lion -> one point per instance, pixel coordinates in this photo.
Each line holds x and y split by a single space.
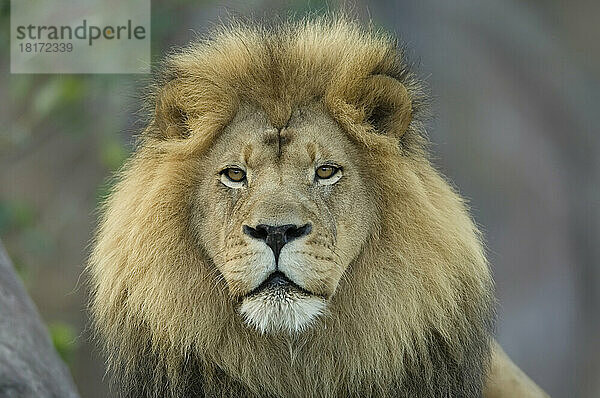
279 230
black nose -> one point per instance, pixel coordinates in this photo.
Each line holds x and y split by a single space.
277 236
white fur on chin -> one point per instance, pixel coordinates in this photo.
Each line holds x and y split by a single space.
281 310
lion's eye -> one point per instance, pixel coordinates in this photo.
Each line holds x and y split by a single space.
233 177
328 174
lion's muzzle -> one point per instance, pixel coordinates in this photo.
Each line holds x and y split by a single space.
279 303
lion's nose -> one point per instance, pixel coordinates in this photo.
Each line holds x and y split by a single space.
276 236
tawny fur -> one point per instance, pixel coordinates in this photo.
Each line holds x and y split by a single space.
412 314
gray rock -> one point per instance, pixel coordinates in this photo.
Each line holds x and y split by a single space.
29 365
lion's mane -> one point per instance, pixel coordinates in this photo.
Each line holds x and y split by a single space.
412 316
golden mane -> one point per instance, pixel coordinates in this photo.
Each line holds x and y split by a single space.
162 309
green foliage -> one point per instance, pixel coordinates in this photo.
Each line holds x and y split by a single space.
15 215
37 242
112 153
64 338
57 92
19 218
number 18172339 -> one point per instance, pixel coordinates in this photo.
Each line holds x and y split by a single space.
47 47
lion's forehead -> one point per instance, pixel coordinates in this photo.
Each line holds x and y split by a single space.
310 135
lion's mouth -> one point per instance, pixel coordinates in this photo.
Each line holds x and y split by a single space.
278 304
278 282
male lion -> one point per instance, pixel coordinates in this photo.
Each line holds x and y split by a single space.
280 231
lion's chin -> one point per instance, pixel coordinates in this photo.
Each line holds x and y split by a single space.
281 309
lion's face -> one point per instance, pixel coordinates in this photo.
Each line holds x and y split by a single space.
319 198
278 214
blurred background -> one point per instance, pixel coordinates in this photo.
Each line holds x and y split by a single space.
516 88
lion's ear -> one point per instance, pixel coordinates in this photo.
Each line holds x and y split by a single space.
170 117
387 105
